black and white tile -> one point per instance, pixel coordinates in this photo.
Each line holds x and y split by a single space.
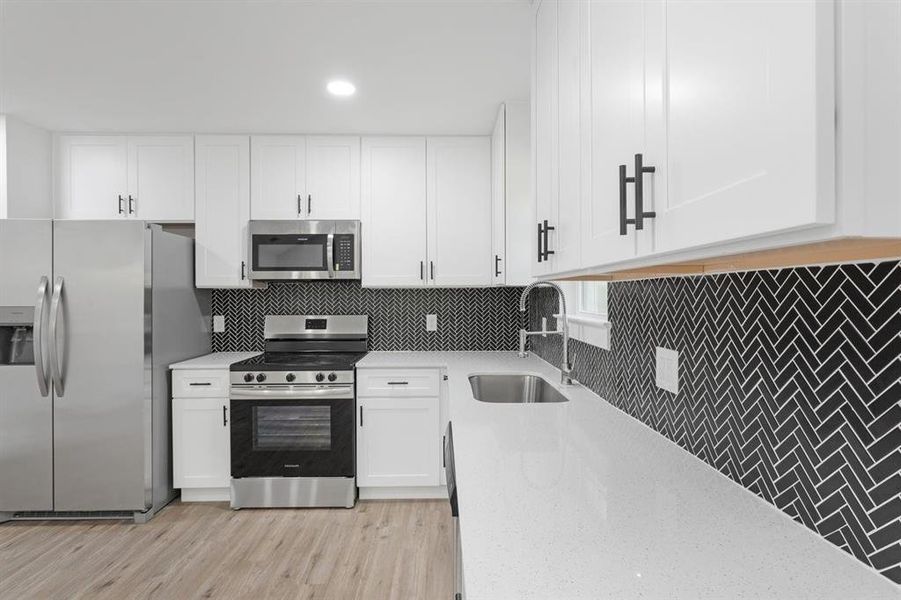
790 384
468 318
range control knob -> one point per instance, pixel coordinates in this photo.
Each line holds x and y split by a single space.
332 377
290 377
261 377
320 377
248 377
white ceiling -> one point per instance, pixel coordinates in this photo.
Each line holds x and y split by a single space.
424 66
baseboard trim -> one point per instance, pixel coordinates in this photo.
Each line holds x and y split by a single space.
438 492
206 495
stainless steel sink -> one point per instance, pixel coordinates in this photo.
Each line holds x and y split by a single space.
514 389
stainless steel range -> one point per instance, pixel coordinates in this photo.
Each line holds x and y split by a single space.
293 414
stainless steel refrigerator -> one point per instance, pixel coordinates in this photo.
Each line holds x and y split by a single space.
91 315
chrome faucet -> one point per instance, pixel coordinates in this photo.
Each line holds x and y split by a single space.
565 368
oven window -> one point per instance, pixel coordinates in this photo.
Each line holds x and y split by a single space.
292 428
293 256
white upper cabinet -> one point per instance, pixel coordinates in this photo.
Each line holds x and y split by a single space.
499 197
223 211
305 177
333 177
614 123
394 225
544 103
110 177
743 96
458 183
161 178
278 175
92 180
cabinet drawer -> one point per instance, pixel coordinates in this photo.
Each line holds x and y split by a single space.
397 382
211 383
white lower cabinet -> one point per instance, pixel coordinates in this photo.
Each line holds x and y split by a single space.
399 446
200 448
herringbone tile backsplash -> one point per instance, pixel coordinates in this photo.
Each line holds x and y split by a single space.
468 318
790 384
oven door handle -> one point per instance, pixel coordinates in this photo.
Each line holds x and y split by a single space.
293 393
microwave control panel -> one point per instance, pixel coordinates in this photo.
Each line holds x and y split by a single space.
344 252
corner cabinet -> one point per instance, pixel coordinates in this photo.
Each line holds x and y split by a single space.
671 131
120 177
399 433
305 177
222 211
426 211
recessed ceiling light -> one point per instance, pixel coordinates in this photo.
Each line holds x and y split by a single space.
341 87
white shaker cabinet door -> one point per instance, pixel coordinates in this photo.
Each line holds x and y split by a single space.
161 178
279 179
394 221
615 126
92 181
200 443
458 181
398 442
333 177
498 197
223 211
743 94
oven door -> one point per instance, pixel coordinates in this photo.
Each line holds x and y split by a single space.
292 431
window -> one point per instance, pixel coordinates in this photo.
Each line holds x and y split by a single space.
593 298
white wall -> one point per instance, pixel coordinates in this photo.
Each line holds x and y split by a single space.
26 154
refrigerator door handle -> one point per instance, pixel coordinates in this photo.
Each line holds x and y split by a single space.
40 361
55 370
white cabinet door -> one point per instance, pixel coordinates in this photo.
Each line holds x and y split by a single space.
458 182
545 116
520 224
398 442
498 198
616 125
333 177
200 443
279 177
223 210
746 103
161 178
93 177
394 211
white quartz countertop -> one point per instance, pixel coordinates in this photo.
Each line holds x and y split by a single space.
579 500
216 360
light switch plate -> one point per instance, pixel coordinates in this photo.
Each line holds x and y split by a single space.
218 323
431 322
668 369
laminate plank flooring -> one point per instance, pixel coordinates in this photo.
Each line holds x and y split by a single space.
378 550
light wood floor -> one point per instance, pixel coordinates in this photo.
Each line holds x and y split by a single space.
377 550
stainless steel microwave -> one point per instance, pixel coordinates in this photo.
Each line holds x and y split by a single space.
297 250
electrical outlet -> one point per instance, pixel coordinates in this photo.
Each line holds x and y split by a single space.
668 369
218 323
431 322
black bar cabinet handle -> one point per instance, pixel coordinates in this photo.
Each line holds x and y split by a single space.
432 269
443 451
497 260
224 415
624 221
131 203
243 270
299 205
398 383
421 269
640 214
309 203
546 229
540 236
121 207
200 383
361 416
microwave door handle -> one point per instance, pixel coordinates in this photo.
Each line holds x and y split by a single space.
330 255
